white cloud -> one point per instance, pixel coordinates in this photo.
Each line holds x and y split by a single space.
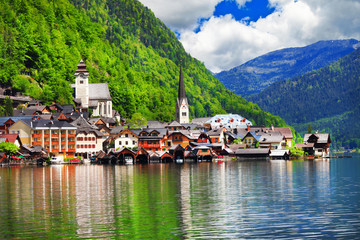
223 42
181 14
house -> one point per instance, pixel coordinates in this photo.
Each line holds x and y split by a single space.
89 140
217 135
321 143
282 154
181 137
126 138
251 139
23 129
7 122
273 140
152 139
95 96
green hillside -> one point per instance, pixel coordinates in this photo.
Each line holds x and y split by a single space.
122 43
328 99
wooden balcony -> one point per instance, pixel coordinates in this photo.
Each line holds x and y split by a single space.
63 135
71 135
46 135
46 142
38 143
37 135
55 150
71 142
55 142
71 150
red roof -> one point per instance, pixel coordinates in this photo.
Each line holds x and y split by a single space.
10 137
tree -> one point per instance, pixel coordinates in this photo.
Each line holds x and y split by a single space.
9 111
237 141
137 120
9 148
309 128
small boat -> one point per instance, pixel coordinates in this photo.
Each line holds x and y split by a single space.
55 160
129 160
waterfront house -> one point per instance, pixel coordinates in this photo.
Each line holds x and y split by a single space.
13 138
217 135
181 137
152 139
126 138
22 127
251 139
273 140
321 143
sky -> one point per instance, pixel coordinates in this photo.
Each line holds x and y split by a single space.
226 33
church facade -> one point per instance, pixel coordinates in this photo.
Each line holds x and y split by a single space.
95 96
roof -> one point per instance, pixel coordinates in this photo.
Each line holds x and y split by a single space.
81 67
155 124
322 137
279 153
99 91
10 137
82 123
47 124
252 151
215 132
15 119
67 109
200 121
271 138
174 124
304 145
254 135
116 130
181 93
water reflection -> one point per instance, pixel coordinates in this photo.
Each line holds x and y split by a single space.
274 199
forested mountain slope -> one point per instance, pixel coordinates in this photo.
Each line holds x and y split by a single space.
328 99
254 76
122 43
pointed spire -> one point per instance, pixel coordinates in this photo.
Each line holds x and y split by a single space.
181 93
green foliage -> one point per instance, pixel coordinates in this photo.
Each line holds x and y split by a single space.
237 141
123 44
8 107
137 121
9 148
296 153
309 130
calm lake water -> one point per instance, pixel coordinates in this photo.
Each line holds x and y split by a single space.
273 199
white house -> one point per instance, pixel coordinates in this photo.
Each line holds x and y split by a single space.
126 138
228 121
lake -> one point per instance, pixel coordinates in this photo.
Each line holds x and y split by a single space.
262 199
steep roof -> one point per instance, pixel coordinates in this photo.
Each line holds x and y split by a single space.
322 137
81 67
99 91
181 93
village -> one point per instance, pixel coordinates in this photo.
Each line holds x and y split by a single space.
70 134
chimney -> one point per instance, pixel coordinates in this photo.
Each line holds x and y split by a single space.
272 127
248 128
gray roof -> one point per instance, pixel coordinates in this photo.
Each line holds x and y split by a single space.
200 121
47 124
99 91
215 132
15 119
322 137
116 130
279 152
274 137
252 151
155 124
174 124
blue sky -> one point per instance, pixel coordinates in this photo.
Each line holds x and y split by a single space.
226 33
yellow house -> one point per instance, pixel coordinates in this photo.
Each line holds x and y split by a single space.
23 129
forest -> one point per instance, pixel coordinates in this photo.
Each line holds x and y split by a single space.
123 44
327 99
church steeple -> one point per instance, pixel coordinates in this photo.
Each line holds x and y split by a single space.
182 106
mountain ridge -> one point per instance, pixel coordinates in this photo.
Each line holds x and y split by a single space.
257 74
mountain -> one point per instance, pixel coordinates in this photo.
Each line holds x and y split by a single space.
328 99
254 76
122 44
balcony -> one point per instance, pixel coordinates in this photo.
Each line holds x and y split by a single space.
71 142
71 135
55 150
46 142
37 143
146 146
63 135
71 150
37 135
55 142
46 135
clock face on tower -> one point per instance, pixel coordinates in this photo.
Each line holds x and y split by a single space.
183 106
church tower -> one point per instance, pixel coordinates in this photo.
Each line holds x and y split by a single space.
182 106
82 84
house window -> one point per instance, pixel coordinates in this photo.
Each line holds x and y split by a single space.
169 144
249 140
126 143
120 143
134 142
126 135
184 114
245 141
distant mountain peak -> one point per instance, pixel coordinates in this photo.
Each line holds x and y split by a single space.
257 74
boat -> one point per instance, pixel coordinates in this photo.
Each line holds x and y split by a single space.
55 160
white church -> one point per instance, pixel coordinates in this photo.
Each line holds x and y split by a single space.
95 96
